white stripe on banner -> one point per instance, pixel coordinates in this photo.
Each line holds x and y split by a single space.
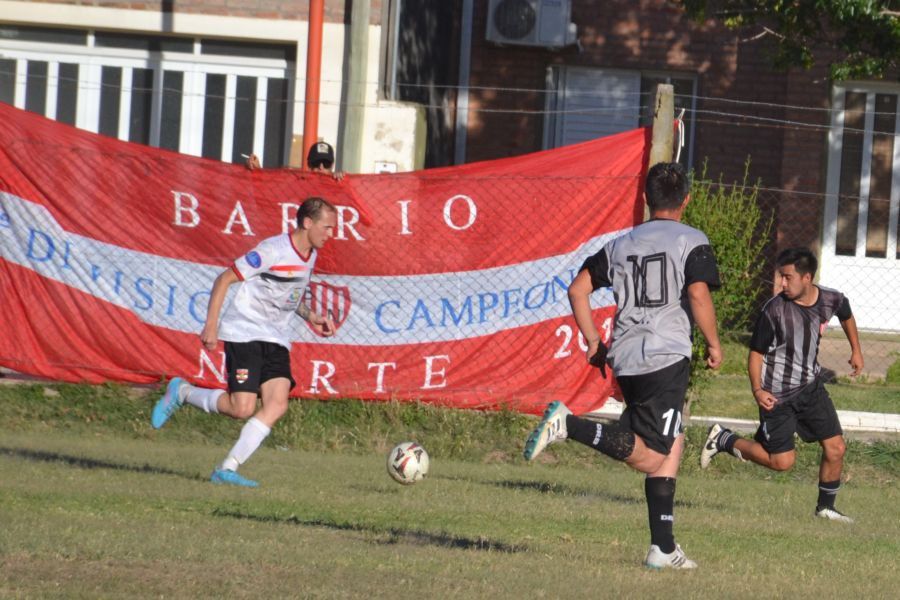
370 311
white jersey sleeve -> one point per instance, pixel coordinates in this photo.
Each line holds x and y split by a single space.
256 261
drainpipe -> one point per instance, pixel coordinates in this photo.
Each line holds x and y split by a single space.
462 97
313 76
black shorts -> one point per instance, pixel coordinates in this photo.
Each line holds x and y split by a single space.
653 404
251 364
810 414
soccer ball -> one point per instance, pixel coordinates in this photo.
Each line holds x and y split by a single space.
407 463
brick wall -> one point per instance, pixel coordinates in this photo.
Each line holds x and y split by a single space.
653 35
335 10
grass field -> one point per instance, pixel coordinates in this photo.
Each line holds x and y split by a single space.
93 503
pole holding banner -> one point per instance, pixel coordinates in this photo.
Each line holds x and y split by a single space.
313 76
663 129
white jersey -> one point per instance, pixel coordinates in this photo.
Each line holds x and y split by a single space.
273 277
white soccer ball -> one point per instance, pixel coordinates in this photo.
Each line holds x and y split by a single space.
407 463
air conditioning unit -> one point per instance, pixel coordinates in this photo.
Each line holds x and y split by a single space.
531 23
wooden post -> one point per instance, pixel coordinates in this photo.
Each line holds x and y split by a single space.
350 144
663 129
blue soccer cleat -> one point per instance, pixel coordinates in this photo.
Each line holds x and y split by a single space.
168 404
224 476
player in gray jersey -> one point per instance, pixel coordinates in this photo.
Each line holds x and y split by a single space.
661 273
784 378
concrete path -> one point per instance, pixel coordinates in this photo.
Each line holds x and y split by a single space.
856 424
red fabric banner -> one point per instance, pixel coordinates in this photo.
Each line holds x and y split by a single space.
449 285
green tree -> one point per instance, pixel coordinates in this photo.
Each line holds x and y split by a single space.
866 33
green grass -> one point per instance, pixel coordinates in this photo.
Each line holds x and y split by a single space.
729 396
97 504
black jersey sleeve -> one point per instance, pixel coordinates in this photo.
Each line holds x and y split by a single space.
763 334
701 266
598 266
843 312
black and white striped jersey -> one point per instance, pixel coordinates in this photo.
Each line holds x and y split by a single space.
649 269
787 334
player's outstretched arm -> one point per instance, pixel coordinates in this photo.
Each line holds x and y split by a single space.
209 337
580 299
856 358
705 316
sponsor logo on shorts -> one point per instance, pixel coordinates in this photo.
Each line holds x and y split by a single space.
253 259
242 375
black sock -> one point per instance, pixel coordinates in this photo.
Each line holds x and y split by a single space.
609 438
725 441
827 492
660 492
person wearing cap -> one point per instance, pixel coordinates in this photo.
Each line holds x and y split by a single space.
320 159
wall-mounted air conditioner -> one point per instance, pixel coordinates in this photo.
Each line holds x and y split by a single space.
531 23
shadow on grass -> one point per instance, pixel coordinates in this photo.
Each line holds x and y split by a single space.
545 487
393 535
92 463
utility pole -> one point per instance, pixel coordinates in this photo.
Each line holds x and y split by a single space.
663 129
313 76
350 149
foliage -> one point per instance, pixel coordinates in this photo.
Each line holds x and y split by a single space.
865 33
738 232
893 372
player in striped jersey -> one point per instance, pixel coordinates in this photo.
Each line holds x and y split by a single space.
784 378
272 278
661 273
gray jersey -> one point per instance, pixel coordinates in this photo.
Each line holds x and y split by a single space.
787 335
649 270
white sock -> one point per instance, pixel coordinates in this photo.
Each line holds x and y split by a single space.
252 435
203 398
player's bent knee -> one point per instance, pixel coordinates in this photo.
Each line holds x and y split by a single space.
781 462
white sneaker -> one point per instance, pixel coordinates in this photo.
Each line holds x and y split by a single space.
552 428
709 448
657 559
832 514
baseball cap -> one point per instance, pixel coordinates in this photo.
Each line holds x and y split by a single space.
320 153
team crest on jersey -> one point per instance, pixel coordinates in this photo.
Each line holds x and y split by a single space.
324 298
242 375
253 259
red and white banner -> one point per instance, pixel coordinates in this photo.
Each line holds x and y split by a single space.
449 285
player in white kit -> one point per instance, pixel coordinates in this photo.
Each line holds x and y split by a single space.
255 327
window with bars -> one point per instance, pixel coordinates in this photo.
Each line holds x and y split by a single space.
585 103
205 97
869 173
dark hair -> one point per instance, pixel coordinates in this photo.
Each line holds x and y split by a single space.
667 186
803 259
312 207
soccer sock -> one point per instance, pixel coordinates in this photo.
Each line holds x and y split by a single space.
827 492
609 438
203 398
252 435
660 492
725 442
